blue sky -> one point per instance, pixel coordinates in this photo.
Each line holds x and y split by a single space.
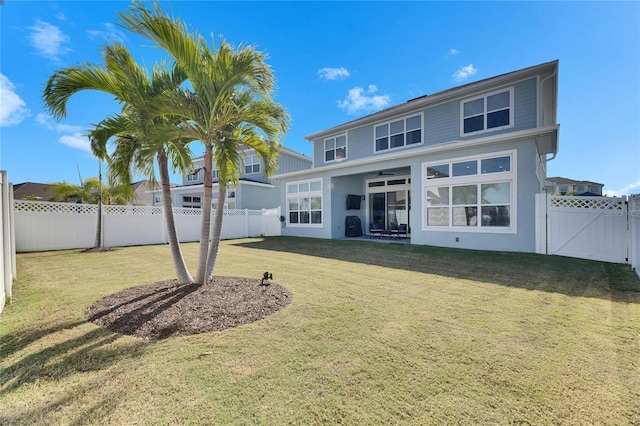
337 61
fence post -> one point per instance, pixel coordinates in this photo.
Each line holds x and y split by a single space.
7 278
262 230
541 223
246 223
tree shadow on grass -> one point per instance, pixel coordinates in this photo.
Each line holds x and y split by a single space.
91 351
569 276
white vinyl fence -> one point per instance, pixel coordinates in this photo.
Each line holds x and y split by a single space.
597 228
7 240
634 232
56 226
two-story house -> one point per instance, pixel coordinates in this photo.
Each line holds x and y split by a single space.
459 168
563 186
254 191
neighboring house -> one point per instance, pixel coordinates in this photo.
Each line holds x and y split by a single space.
460 168
32 191
560 185
43 192
254 191
143 192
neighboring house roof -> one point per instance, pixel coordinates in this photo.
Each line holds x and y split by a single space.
439 97
566 181
39 191
283 150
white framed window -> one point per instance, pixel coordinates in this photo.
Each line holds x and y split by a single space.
194 176
474 194
335 148
251 164
214 174
304 203
191 202
229 201
486 113
398 134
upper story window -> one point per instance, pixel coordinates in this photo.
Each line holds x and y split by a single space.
214 174
251 164
335 149
487 113
194 176
398 134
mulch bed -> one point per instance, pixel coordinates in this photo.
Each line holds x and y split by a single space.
163 309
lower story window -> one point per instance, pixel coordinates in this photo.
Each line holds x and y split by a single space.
304 202
475 205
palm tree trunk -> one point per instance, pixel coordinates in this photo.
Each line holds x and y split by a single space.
183 275
217 229
205 229
98 242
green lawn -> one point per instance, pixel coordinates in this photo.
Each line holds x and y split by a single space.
375 334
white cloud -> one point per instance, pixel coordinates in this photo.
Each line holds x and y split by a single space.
12 108
454 52
358 100
48 40
110 33
632 188
47 121
464 72
77 141
73 136
333 73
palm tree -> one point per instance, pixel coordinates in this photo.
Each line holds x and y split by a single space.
139 134
229 104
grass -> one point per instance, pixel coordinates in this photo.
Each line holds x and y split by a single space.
375 334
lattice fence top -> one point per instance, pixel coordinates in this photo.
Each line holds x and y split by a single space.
184 211
597 203
49 207
235 213
131 210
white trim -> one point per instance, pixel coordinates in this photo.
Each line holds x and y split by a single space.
310 194
383 190
252 164
335 149
485 112
431 149
477 179
404 132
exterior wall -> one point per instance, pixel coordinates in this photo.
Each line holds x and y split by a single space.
323 231
342 186
288 163
257 197
441 124
526 186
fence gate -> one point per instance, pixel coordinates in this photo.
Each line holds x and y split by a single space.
588 227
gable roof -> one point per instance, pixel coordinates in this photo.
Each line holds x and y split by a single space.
40 191
440 97
566 181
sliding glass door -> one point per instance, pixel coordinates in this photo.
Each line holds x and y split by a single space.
389 202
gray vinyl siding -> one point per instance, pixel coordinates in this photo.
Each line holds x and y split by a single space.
360 142
441 124
288 163
257 197
523 240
